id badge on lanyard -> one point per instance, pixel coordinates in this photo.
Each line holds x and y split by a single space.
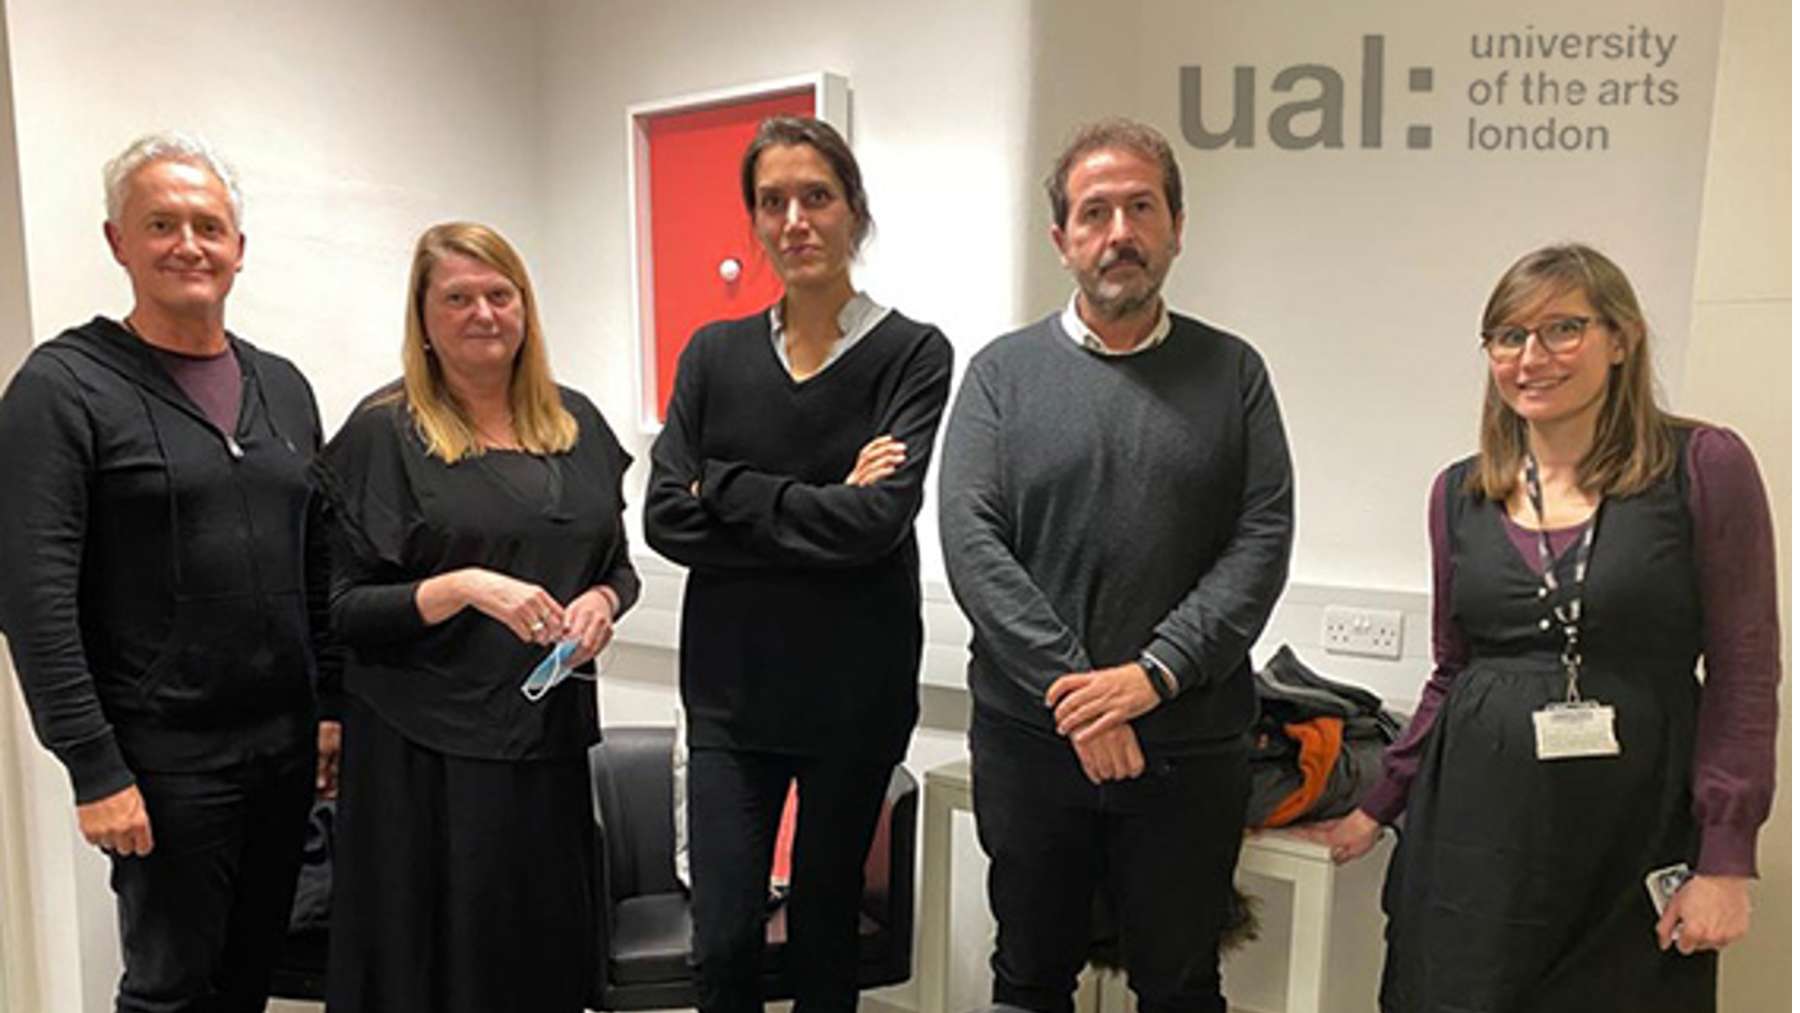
1568 731
1572 728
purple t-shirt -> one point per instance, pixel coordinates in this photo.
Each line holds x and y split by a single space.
1734 557
213 382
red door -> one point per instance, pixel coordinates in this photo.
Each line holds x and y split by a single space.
697 222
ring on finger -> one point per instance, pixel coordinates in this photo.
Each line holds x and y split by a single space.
537 626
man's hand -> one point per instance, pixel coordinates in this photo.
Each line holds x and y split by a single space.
118 823
1090 704
1710 911
879 458
1110 756
331 746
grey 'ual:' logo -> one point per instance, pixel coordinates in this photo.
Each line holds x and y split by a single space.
1302 122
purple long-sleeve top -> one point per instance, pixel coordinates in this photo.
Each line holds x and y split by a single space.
1734 556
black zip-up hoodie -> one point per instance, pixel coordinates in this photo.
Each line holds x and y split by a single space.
162 582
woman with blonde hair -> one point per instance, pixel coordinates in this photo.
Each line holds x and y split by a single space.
478 510
1565 770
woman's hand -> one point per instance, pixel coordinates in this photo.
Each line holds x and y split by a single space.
1707 913
879 458
590 622
526 609
1349 837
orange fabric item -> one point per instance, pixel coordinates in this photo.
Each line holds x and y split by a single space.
1321 740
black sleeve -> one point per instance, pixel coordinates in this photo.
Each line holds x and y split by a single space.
365 481
1207 634
47 455
367 608
621 576
790 522
615 569
675 523
328 654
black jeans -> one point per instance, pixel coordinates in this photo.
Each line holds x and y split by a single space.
1163 845
202 918
734 807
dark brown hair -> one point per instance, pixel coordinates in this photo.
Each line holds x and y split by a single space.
1135 137
823 138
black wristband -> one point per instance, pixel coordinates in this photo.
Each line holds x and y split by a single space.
1154 673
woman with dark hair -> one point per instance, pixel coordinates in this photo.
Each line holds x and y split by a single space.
786 479
1565 768
479 528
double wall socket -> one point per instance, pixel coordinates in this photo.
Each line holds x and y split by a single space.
1372 633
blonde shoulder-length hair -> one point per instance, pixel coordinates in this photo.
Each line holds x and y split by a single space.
1634 441
541 423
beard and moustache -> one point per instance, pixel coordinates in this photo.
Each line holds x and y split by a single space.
1114 300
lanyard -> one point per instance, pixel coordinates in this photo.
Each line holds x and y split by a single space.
1567 613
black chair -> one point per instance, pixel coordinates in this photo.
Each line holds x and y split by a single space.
644 927
299 971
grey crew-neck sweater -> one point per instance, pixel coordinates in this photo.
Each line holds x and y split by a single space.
1096 507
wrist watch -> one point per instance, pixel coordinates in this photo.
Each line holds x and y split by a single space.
1158 675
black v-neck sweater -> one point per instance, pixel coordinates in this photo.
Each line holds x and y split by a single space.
800 629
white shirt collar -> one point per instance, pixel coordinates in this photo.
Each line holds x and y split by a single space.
1078 329
858 317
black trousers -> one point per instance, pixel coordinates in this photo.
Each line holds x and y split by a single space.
202 917
1163 845
734 808
460 885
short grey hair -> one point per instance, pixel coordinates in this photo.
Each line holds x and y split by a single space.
168 146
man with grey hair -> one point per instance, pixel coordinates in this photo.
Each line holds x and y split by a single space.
164 599
1117 510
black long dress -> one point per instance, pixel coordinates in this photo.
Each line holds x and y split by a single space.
464 842
1519 883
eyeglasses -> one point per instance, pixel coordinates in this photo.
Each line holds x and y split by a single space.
1504 344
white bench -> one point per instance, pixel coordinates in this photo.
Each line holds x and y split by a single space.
1333 951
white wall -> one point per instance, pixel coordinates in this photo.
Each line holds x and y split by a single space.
1739 370
938 141
980 99
1358 273
18 971
1361 274
356 124
353 125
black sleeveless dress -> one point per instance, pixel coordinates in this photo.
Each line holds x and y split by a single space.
1518 884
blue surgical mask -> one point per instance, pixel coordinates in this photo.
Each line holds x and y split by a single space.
552 670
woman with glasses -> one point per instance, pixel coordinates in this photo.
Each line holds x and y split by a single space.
1565 771
786 479
479 526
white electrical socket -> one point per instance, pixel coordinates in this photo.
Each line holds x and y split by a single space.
1372 633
